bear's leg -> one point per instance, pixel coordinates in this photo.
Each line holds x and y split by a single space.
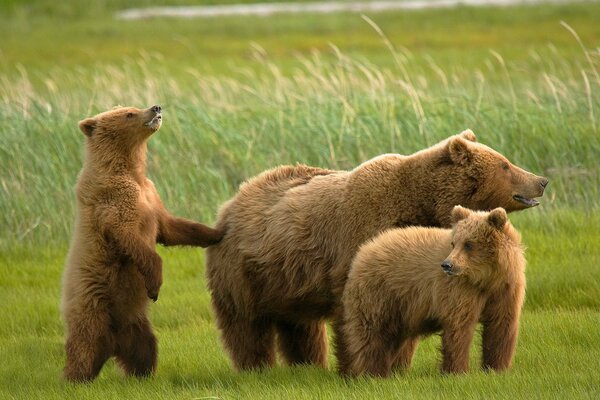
372 358
303 343
249 340
455 348
89 344
250 343
362 349
340 344
404 356
501 328
136 348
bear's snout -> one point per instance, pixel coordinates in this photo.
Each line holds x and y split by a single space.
543 183
157 109
447 266
451 269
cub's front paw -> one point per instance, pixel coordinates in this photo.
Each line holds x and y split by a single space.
153 279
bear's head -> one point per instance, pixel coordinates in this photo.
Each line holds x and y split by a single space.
486 248
493 180
122 126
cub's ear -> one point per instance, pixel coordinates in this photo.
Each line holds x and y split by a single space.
497 218
468 135
459 213
460 153
87 126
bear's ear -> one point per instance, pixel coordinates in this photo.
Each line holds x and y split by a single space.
497 218
468 135
460 153
459 213
87 126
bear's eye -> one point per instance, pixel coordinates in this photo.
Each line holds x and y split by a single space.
452 244
505 166
468 246
129 115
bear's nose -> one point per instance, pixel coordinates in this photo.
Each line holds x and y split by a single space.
447 266
544 182
156 109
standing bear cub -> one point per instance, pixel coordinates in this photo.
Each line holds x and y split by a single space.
415 281
293 231
112 267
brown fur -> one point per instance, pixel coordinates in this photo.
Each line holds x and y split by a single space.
293 231
398 291
112 267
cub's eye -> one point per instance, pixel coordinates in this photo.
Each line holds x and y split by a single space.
468 246
505 166
452 244
129 115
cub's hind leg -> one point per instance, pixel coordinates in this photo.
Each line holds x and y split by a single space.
136 348
89 344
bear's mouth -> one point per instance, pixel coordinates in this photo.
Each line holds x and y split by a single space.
452 272
155 122
526 200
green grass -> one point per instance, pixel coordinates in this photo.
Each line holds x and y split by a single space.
557 350
220 131
458 37
244 94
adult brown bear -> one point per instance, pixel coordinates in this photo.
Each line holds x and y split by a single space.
293 231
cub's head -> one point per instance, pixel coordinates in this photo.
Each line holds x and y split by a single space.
122 125
485 247
493 180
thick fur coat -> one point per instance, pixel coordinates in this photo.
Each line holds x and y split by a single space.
293 231
411 282
112 267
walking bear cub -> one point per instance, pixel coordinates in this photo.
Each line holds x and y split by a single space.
112 267
412 282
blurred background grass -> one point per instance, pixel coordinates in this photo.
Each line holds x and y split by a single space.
242 94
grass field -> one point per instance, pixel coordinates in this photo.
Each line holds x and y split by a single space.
244 94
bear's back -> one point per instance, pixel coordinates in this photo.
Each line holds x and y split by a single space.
252 212
403 258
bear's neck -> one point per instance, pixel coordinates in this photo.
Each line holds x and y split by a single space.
431 186
511 257
119 160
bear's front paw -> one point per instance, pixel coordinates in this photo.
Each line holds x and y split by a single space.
153 279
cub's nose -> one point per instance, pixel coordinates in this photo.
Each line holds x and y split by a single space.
447 266
544 182
156 109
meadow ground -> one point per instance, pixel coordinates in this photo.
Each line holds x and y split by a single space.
244 94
